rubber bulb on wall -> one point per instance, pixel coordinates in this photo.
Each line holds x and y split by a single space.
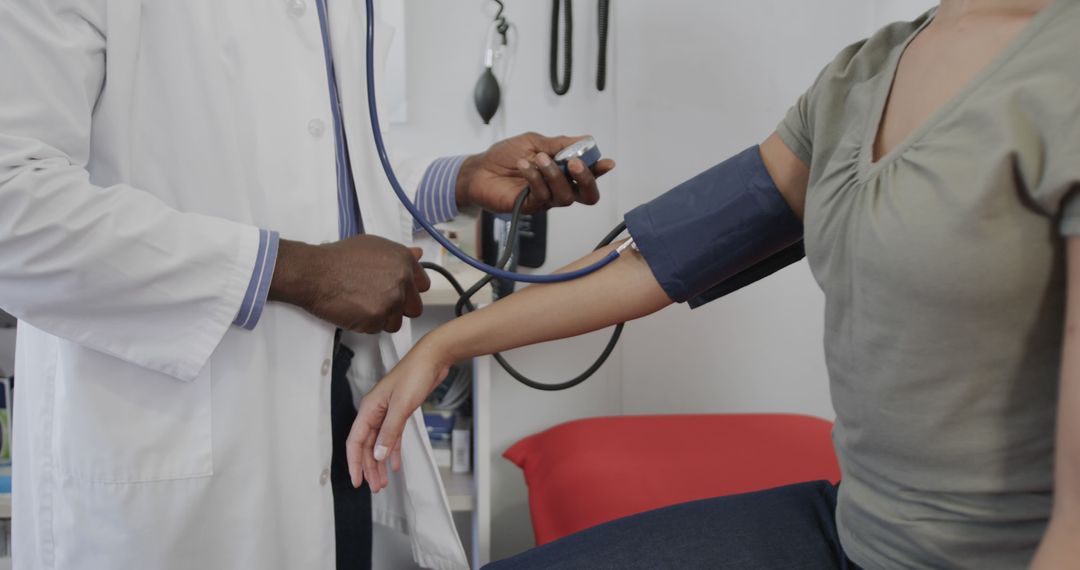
486 95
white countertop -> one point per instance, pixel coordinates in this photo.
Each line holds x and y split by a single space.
460 489
443 294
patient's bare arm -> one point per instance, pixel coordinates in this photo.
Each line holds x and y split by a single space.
622 291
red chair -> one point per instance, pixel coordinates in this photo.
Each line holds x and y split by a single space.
587 472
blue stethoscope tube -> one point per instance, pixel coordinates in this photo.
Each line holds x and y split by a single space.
376 132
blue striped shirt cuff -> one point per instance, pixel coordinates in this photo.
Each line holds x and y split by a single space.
259 286
437 195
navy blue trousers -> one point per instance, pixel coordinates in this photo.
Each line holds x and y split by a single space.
787 527
352 507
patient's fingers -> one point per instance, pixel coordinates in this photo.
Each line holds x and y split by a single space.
354 452
383 474
393 424
371 467
362 437
395 458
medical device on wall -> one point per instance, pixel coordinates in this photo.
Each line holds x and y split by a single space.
487 95
587 150
528 246
561 84
602 34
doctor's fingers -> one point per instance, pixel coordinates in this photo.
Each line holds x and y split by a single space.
562 191
539 194
421 278
547 184
392 319
370 323
393 322
413 305
588 191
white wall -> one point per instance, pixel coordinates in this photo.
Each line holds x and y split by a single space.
690 83
886 11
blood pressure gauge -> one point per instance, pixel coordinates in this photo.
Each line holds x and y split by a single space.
584 149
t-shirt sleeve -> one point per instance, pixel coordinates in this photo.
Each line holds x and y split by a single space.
1070 213
795 129
817 106
1062 179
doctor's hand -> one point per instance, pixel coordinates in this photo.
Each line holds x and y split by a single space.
494 178
365 283
375 438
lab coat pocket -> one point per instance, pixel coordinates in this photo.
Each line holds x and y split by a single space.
118 423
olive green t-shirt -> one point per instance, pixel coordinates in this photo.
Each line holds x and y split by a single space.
943 271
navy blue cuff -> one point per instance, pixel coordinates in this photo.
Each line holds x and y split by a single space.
437 195
714 226
259 287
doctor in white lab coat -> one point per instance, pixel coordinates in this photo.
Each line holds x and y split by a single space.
144 145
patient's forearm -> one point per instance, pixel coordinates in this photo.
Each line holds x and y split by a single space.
622 291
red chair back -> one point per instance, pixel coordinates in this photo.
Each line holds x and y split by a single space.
588 472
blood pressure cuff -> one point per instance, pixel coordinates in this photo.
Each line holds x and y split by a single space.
717 232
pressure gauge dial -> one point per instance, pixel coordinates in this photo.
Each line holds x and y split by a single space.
584 149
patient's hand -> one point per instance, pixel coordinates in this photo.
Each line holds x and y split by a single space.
376 433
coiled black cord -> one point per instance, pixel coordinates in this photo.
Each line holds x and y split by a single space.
465 304
562 86
602 28
501 25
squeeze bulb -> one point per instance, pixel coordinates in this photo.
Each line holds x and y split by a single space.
486 95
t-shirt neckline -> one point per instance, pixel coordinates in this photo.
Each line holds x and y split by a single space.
887 78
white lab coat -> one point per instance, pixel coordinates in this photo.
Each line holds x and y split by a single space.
142 143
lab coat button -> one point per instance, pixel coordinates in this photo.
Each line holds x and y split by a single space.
326 367
316 128
324 477
297 8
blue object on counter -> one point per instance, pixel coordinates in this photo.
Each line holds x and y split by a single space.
439 425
